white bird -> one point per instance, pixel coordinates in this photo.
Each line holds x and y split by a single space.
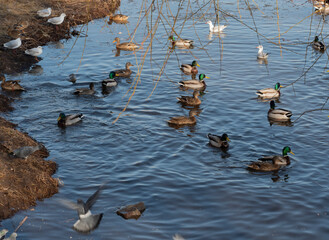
34 51
213 28
57 20
261 54
178 237
13 44
44 12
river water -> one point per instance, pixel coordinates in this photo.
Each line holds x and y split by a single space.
187 186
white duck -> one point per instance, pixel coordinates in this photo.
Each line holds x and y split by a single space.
57 20
44 12
13 44
213 28
261 54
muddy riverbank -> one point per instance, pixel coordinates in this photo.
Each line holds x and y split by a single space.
23 181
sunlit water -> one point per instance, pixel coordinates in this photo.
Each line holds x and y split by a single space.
187 186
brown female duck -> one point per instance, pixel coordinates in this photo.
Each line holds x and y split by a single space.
124 72
118 17
183 120
190 101
10 85
128 46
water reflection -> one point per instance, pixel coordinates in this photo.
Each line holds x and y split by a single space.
286 123
262 61
36 70
220 35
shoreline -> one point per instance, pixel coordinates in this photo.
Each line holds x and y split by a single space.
24 181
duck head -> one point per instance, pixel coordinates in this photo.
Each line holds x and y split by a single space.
277 86
286 150
195 63
202 76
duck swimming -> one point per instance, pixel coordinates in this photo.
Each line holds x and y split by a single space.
190 68
195 84
190 101
270 92
124 72
67 120
110 81
183 120
318 45
182 43
279 113
283 159
118 17
218 141
127 46
12 85
85 91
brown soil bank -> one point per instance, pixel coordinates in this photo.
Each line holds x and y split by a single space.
17 14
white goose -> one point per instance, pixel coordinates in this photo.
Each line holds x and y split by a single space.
213 28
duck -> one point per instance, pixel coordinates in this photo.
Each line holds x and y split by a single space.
279 113
67 120
318 45
195 84
12 85
85 91
216 29
124 72
110 81
219 141
44 12
57 20
26 151
183 120
13 44
275 165
281 159
190 68
118 17
183 43
35 52
128 46
190 101
270 92
261 54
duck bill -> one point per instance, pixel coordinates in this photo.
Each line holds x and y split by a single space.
59 118
114 41
198 64
228 139
292 153
206 77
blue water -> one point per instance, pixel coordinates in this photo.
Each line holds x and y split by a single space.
187 186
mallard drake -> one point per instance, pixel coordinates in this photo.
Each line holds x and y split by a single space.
218 141
281 159
85 91
118 17
195 84
270 92
110 81
215 29
265 166
190 68
183 43
318 45
128 46
183 120
191 101
10 85
279 113
67 120
124 72
261 54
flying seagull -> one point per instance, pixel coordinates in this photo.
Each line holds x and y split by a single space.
87 221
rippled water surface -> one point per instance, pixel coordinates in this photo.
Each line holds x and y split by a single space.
187 186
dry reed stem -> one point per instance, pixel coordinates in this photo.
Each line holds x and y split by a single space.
21 223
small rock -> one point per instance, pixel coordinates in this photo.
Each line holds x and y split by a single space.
132 211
